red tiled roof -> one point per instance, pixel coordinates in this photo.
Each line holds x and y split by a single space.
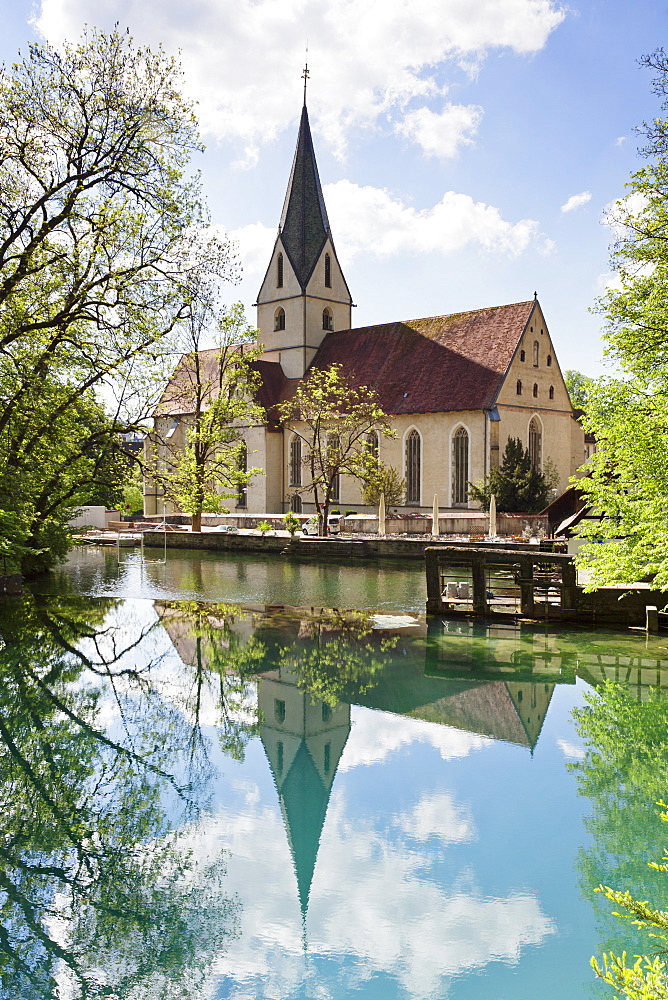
432 365
178 397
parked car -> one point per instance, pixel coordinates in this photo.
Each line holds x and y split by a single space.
310 527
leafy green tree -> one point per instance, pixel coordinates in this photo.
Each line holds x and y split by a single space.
579 387
99 217
383 480
213 391
628 485
517 485
78 461
333 418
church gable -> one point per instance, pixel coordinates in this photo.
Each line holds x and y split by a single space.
327 280
280 280
534 377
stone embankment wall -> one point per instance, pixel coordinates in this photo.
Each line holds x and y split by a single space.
335 547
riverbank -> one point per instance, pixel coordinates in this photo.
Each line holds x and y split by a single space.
311 547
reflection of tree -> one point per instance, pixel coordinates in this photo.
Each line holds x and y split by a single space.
222 664
337 656
624 773
96 887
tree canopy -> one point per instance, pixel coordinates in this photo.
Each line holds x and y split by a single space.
628 485
579 386
334 419
214 392
519 487
100 222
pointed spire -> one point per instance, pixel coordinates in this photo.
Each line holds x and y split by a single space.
304 223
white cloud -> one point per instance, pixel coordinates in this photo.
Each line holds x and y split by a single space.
619 215
576 201
620 140
371 221
242 59
441 134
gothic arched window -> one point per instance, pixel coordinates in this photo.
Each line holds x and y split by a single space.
549 361
413 457
535 443
536 348
535 390
518 387
295 461
279 319
296 504
372 445
551 392
523 355
460 467
242 466
332 462
327 319
279 271
328 271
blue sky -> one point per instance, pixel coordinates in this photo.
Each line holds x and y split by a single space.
467 148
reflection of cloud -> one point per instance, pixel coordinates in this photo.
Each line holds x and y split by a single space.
376 735
571 750
438 816
372 909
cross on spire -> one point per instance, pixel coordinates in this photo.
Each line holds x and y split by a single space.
305 76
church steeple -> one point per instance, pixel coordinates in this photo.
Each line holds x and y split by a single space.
304 223
304 295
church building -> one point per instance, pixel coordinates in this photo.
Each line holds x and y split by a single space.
456 386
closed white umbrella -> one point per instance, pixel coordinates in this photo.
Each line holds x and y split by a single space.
434 516
492 516
381 515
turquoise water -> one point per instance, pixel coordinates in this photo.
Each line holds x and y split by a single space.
212 800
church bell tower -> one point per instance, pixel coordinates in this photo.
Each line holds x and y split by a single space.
304 295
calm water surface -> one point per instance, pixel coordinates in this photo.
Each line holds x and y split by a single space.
212 800
102 572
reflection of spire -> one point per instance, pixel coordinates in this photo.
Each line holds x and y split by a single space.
303 740
304 799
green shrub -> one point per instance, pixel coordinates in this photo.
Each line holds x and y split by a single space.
292 522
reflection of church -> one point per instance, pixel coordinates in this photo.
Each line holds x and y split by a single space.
303 739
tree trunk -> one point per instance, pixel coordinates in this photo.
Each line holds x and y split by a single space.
197 521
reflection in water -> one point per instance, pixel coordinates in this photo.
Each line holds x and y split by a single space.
99 896
387 829
239 578
624 773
